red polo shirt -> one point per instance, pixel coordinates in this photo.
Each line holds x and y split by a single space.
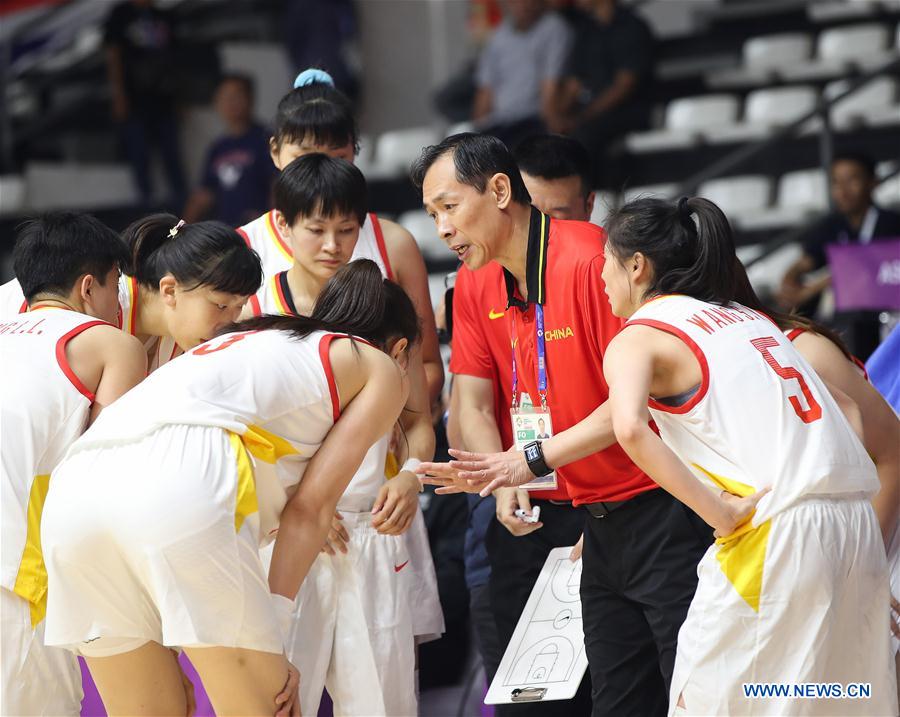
563 266
481 341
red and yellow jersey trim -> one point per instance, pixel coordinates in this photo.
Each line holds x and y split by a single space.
276 237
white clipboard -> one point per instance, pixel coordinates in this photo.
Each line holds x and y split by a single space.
545 659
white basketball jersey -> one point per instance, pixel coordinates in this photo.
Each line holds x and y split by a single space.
160 350
12 300
274 390
761 416
44 407
275 254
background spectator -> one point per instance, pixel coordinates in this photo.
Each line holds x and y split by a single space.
855 218
519 71
140 39
607 87
238 172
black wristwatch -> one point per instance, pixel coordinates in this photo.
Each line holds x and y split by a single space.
534 456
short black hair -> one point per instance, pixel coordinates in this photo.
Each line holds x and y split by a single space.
553 156
242 79
317 112
861 158
319 183
53 250
477 158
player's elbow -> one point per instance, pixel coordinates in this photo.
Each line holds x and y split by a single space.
629 430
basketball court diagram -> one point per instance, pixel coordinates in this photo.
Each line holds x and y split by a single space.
547 647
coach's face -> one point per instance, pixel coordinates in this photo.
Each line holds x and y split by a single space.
469 222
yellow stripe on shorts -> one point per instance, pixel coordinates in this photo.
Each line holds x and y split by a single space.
31 580
246 503
742 554
266 446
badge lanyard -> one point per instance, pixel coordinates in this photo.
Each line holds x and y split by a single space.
542 362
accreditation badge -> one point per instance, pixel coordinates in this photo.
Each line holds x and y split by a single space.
530 423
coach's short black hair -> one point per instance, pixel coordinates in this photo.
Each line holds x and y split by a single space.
477 158
317 183
53 250
552 156
861 158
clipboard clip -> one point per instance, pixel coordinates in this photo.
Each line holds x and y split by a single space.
528 694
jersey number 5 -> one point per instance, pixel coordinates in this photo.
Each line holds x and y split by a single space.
786 373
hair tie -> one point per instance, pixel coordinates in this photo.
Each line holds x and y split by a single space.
173 232
313 76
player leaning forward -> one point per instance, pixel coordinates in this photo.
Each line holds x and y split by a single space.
257 430
64 361
798 592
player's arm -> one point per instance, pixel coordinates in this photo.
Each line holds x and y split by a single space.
628 368
107 361
374 382
410 272
881 427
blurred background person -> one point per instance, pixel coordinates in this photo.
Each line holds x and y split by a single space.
607 88
855 219
236 185
140 41
519 71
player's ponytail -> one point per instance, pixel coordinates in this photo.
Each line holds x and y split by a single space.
202 254
317 112
358 301
689 244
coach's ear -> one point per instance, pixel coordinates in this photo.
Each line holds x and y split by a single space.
167 287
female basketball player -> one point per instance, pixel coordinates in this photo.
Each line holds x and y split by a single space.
357 605
185 282
153 522
796 591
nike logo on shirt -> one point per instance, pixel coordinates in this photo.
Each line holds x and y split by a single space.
398 568
495 314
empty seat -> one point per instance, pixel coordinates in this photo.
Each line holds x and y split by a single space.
49 185
801 195
764 110
738 197
685 117
873 103
837 50
424 231
761 57
663 191
461 127
887 193
398 149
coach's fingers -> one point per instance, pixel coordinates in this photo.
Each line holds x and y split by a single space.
492 486
450 490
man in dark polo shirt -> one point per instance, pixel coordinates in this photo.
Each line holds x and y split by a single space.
642 546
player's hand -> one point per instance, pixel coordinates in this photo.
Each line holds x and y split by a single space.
575 554
396 504
509 500
738 510
338 537
895 617
288 700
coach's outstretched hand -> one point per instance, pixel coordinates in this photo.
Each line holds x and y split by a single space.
288 701
481 473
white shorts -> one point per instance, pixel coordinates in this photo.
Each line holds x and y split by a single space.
893 558
428 617
37 680
157 539
818 575
352 630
